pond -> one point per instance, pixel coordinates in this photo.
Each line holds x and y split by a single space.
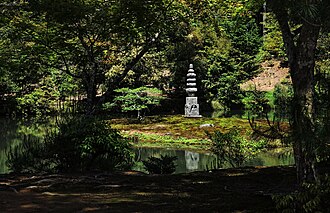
12 132
189 161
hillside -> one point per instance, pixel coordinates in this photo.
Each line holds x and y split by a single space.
272 74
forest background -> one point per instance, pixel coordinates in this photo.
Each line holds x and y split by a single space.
76 54
84 50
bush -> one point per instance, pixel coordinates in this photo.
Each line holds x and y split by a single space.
312 197
232 148
81 144
138 99
257 103
283 95
163 165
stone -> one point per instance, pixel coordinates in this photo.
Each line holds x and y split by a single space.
206 125
191 106
191 84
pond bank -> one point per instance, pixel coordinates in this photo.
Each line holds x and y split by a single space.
231 190
167 132
190 161
178 132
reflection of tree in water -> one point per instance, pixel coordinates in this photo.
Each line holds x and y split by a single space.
8 129
13 131
8 137
254 161
192 160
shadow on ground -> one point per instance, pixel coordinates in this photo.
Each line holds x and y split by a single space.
232 190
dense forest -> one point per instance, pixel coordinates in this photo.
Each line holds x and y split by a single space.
55 52
94 57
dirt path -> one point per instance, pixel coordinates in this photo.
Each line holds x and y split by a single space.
233 190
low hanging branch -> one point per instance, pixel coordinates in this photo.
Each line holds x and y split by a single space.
272 131
119 79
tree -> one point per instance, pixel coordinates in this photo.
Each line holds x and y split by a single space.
223 42
137 99
96 42
301 23
26 75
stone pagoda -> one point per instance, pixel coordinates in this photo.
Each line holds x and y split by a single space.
192 106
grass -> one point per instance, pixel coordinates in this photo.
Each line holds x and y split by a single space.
177 131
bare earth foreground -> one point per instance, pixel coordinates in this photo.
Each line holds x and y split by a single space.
232 190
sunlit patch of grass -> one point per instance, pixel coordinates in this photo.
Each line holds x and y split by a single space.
178 131
169 141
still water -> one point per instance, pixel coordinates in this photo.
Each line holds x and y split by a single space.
189 161
12 132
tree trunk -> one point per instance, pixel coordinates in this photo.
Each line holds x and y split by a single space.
301 56
303 124
91 94
302 74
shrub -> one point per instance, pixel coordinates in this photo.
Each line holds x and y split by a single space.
88 144
232 148
138 99
80 144
163 165
257 103
283 95
312 197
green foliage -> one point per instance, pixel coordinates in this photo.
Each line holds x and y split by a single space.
232 148
163 165
138 99
273 46
29 76
98 44
227 41
256 103
312 197
29 157
223 83
88 144
81 144
39 101
283 96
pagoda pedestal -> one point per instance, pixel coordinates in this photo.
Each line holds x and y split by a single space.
192 108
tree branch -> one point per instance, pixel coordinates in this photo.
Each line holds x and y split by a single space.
282 15
67 67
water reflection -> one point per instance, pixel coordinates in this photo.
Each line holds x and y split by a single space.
192 160
13 130
189 161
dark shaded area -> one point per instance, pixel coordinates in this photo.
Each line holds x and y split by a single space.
246 189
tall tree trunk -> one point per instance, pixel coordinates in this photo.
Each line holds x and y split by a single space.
302 74
301 56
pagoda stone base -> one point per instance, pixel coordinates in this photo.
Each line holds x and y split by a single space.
192 108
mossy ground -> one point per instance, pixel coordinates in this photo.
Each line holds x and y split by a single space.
180 132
